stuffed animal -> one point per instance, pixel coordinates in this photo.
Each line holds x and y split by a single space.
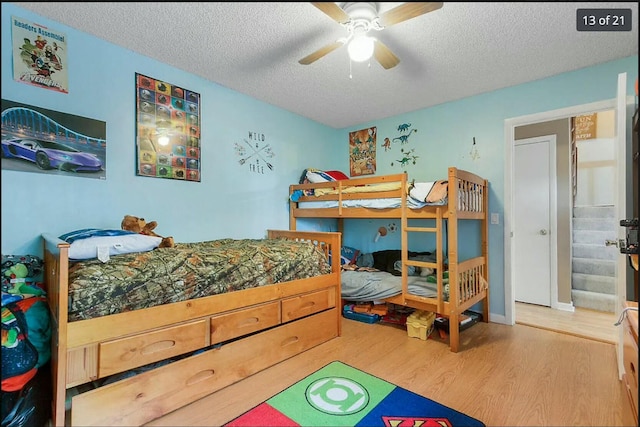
18 275
139 225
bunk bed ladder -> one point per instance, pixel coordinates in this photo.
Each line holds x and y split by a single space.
438 265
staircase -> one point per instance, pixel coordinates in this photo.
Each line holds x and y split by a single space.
593 282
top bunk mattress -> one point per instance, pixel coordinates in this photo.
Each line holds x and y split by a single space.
189 270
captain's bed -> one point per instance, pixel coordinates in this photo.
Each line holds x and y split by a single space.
456 284
147 332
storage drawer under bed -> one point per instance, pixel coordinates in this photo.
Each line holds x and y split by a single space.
138 350
144 397
304 305
100 360
244 321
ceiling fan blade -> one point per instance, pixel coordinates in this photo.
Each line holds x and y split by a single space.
333 11
384 56
321 52
407 11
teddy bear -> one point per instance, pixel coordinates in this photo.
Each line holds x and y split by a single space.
139 225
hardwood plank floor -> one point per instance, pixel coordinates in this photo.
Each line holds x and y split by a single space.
503 375
596 325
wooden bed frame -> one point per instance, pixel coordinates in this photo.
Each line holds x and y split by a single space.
467 200
257 327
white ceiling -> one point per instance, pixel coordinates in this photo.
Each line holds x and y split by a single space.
459 50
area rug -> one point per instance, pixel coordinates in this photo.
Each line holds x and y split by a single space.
341 395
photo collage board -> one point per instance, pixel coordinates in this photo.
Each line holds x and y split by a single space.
167 130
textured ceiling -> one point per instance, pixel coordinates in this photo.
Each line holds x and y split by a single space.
459 50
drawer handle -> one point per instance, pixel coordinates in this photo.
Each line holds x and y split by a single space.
289 341
249 321
200 376
308 304
158 346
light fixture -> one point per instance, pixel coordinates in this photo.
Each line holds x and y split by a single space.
363 16
361 47
163 140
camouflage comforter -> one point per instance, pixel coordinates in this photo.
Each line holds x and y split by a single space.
189 270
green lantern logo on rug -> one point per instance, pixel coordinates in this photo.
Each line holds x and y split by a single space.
337 396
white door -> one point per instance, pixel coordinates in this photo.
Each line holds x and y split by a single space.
534 174
621 204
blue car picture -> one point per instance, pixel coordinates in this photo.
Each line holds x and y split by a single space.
50 155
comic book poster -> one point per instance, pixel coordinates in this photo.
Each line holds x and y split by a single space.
167 130
51 142
362 152
39 55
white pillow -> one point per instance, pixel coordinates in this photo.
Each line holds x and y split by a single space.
88 248
315 176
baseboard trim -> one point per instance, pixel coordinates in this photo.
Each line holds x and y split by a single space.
564 306
497 318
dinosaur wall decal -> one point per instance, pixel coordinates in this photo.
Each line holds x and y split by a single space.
404 138
404 127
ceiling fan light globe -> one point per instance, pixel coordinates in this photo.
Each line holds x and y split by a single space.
361 48
163 140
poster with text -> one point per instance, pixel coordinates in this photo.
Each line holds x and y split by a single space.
167 130
35 139
39 55
362 152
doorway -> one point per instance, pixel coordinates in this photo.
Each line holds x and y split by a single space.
622 104
564 198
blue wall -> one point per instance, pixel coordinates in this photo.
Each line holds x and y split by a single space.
445 138
230 201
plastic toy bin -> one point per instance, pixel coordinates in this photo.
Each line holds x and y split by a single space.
420 324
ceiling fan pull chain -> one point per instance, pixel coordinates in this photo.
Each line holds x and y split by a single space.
350 74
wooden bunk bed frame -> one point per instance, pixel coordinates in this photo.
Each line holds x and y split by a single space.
467 200
257 327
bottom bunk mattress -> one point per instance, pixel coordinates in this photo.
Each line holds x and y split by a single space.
139 280
377 285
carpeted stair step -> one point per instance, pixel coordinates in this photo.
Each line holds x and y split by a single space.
598 224
598 267
586 250
593 237
593 283
594 212
593 300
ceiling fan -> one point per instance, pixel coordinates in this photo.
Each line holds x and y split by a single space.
359 18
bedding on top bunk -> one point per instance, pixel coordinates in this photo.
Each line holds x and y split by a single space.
139 280
419 194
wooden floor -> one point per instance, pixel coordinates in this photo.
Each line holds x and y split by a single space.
596 325
503 375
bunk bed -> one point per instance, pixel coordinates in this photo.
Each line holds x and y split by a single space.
463 196
140 358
